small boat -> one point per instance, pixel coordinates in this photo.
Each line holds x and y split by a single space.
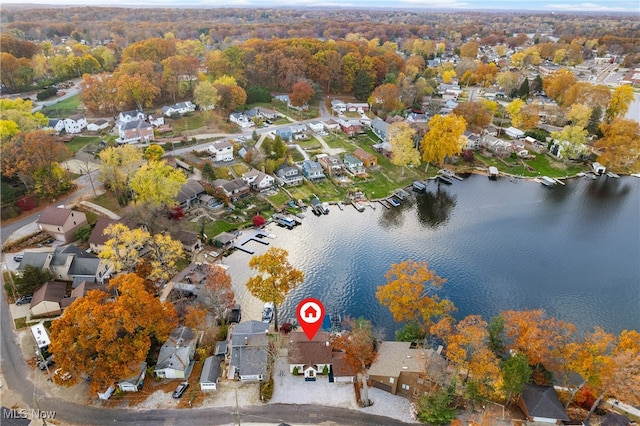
401 194
613 175
285 221
359 205
325 208
418 186
547 181
394 202
340 205
445 180
493 172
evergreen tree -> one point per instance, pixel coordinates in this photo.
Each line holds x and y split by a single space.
536 84
594 121
523 92
362 86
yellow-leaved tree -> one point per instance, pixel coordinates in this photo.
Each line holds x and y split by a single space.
275 277
620 101
157 183
401 137
620 145
411 294
116 165
106 338
514 108
124 246
444 138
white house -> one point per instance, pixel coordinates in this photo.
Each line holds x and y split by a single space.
180 108
55 124
338 106
97 125
134 383
316 126
258 180
128 116
240 119
222 151
75 123
156 120
514 133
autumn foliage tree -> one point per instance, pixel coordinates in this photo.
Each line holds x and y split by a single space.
359 347
107 339
301 93
401 137
620 145
275 277
444 138
217 293
157 184
411 294
117 164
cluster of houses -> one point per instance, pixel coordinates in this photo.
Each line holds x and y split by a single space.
131 126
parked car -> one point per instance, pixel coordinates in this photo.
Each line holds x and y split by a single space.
24 299
234 315
42 365
267 312
180 389
18 258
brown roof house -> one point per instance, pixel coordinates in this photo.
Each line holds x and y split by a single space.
309 357
98 239
61 223
48 299
398 369
368 159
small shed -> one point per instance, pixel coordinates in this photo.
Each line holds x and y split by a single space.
541 404
134 383
598 168
210 373
47 299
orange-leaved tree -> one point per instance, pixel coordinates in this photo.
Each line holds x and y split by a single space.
410 294
359 347
105 337
275 277
216 293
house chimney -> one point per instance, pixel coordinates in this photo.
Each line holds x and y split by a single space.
246 340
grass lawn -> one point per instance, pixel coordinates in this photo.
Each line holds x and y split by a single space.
80 142
279 199
108 201
20 322
543 165
63 108
335 141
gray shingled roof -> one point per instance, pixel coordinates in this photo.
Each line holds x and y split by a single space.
542 401
210 370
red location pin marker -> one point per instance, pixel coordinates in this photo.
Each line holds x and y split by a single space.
310 314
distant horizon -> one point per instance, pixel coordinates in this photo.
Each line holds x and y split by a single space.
560 6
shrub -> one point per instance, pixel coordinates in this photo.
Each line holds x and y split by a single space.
295 371
325 370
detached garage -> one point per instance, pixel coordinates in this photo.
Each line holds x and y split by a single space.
210 373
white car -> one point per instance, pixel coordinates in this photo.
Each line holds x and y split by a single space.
267 312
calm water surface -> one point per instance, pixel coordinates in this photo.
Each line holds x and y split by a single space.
573 250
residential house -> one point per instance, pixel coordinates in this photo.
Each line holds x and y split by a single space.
398 369
210 373
384 148
289 175
221 151
257 180
134 383
331 125
417 117
61 223
135 131
338 106
380 128
448 106
285 133
472 140
259 113
316 126
189 192
332 164
86 286
357 107
189 239
541 404
97 125
299 131
129 116
98 239
241 120
75 124
309 357
225 240
350 127
48 299
176 358
312 170
514 133
248 344
354 165
232 189
181 108
368 159
156 120
55 124
68 263
498 146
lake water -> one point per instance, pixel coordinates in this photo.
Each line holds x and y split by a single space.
573 250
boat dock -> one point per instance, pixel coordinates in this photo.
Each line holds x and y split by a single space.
385 204
546 181
418 186
444 179
449 174
252 235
